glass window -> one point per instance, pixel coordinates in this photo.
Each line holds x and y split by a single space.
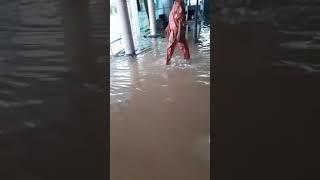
193 2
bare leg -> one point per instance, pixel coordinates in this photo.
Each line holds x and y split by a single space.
183 45
170 50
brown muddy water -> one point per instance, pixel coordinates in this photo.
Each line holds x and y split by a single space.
160 115
52 90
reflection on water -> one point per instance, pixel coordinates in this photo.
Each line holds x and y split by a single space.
161 113
307 67
299 50
52 81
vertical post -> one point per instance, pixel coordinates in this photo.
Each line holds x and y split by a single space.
126 27
201 18
202 14
187 15
145 2
196 23
152 19
135 19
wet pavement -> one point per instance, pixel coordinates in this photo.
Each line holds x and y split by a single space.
52 90
160 115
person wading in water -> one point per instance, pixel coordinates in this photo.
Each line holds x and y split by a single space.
176 31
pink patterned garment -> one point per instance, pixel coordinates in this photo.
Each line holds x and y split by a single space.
177 25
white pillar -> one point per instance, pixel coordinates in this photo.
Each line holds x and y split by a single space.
124 21
152 18
135 19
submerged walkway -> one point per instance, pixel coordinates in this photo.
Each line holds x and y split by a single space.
160 115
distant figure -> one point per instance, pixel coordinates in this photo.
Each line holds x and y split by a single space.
164 20
176 31
161 24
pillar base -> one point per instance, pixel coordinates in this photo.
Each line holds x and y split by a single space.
130 55
153 36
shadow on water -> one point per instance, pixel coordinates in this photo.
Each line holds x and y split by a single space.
52 90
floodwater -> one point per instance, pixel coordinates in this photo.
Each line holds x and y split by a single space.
160 115
266 98
52 89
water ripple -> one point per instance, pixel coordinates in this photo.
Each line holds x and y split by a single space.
130 74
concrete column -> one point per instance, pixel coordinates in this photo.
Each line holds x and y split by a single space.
135 19
127 40
152 18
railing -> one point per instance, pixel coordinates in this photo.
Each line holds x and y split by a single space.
117 50
115 40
